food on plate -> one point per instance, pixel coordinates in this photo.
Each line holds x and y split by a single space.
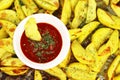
31 30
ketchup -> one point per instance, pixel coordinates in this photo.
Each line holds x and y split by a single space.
45 50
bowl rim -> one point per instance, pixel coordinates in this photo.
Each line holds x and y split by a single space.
44 18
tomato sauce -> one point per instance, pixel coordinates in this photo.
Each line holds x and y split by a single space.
45 50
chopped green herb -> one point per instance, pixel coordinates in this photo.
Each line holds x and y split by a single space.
38 53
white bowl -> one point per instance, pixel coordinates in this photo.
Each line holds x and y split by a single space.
59 26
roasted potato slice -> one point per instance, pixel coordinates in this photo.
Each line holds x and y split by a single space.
29 7
7 45
50 5
117 70
112 67
73 4
31 30
91 11
8 26
66 12
80 53
87 30
108 19
37 75
9 15
78 71
12 62
14 71
3 33
80 13
57 72
18 7
105 51
98 39
74 33
82 33
4 4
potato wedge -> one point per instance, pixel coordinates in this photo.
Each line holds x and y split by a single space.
91 12
73 4
98 38
87 30
4 4
18 7
6 55
14 71
9 15
66 12
115 8
74 33
37 75
12 62
80 13
111 45
117 70
7 45
8 26
112 67
31 30
108 19
3 33
105 51
57 72
80 53
50 5
30 6
78 71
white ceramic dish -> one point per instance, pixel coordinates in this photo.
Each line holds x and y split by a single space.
47 19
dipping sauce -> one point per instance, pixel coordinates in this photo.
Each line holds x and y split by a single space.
45 50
